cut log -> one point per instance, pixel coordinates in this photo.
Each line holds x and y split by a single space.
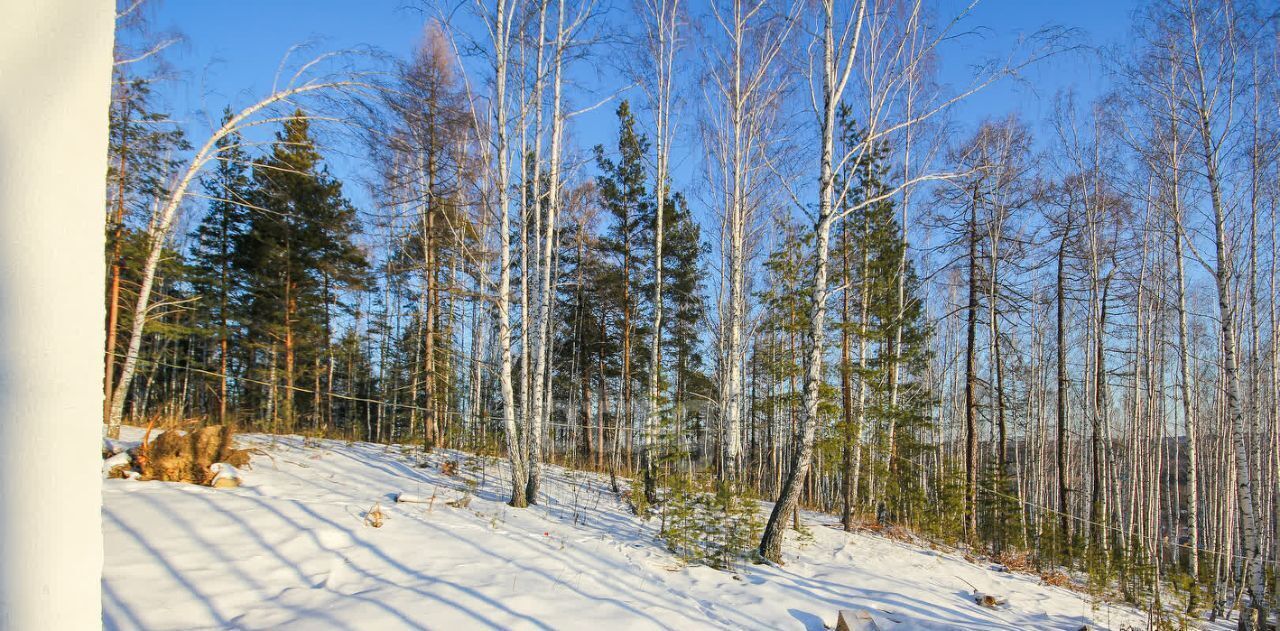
856 620
989 601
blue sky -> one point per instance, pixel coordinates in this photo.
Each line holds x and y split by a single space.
232 49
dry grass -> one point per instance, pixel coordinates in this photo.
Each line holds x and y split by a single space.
373 517
1057 578
177 457
1016 561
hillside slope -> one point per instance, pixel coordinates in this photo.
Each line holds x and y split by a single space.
290 549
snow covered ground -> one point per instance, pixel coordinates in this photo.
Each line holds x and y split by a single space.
290 549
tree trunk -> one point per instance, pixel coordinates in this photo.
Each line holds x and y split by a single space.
1255 581
771 541
515 443
1064 505
971 382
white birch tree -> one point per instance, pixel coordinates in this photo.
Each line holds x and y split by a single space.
298 85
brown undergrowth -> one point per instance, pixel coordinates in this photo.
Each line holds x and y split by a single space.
175 456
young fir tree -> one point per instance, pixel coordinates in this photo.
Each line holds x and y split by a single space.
216 280
298 254
683 277
704 520
778 349
896 404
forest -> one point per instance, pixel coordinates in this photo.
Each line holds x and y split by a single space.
797 266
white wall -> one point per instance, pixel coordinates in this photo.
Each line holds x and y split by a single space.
55 65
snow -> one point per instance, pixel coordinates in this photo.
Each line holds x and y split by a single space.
411 498
115 446
121 459
291 549
224 473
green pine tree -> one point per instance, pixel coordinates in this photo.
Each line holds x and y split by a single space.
624 193
298 254
895 331
216 279
144 154
685 310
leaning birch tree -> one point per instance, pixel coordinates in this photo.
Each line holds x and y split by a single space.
837 69
873 45
260 113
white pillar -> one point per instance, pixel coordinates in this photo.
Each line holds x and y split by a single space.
55 77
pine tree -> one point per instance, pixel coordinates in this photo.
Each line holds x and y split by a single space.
685 306
298 254
216 279
777 355
623 192
897 404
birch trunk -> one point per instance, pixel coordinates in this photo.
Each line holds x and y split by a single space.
662 31
1255 580
833 82
547 290
515 441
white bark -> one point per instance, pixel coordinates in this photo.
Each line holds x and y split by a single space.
662 28
1203 104
1184 364
836 69
533 367
499 31
547 291
744 83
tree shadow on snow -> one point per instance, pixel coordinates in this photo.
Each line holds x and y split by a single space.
810 621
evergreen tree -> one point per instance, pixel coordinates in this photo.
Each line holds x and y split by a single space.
216 279
624 194
777 352
143 155
685 306
144 150
897 405
586 304
298 253
786 303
